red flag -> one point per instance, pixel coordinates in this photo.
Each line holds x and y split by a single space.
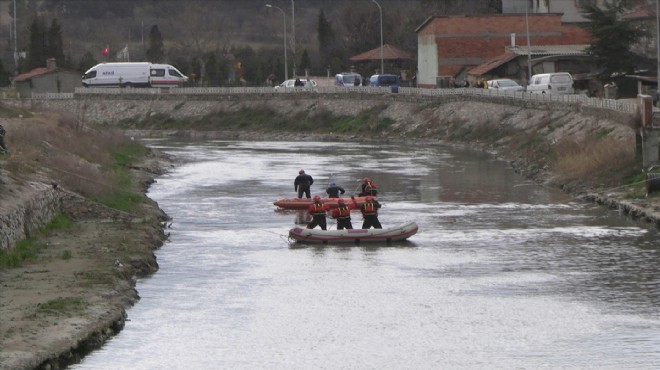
105 50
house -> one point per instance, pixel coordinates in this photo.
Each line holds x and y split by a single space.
513 63
449 46
50 79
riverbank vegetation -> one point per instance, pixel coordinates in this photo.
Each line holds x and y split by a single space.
55 148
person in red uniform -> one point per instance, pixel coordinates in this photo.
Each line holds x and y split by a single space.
368 188
370 213
318 210
343 214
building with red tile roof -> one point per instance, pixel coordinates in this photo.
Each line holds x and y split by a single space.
50 79
450 46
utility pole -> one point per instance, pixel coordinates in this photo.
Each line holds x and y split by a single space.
382 64
293 32
15 42
529 48
286 67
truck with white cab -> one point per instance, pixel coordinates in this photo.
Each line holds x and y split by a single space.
139 74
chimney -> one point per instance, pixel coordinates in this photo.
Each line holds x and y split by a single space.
51 64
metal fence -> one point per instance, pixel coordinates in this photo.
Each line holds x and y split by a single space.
610 104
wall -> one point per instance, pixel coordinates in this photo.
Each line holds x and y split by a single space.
465 42
37 206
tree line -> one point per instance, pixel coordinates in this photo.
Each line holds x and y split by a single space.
232 42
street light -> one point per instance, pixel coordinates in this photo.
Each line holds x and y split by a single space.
15 43
529 52
657 44
382 65
293 33
286 68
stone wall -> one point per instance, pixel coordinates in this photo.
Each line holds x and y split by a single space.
39 204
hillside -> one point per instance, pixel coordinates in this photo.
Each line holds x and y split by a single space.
193 28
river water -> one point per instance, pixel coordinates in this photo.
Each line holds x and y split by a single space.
504 273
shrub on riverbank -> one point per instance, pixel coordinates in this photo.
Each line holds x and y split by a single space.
91 161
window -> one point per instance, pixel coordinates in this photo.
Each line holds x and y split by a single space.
560 78
157 72
91 74
174 72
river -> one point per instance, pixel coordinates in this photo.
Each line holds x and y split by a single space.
503 273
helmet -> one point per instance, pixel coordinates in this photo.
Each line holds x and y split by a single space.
366 179
333 184
301 171
341 202
317 198
369 198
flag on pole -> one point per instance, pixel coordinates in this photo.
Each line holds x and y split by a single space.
123 55
105 50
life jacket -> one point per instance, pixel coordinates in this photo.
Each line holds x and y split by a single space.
319 209
343 212
369 209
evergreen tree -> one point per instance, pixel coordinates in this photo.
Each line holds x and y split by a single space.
55 45
86 62
38 44
326 38
212 71
155 53
4 75
613 36
305 61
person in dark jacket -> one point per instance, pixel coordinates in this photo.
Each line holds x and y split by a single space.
334 190
370 213
302 184
318 210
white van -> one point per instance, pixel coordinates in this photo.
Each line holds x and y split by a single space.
348 79
140 74
551 83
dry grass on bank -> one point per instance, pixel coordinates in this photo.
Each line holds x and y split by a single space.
597 161
55 148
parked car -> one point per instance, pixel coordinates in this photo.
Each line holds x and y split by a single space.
505 84
384 80
551 83
291 84
348 79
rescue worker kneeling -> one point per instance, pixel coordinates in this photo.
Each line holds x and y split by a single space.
370 213
317 210
343 214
